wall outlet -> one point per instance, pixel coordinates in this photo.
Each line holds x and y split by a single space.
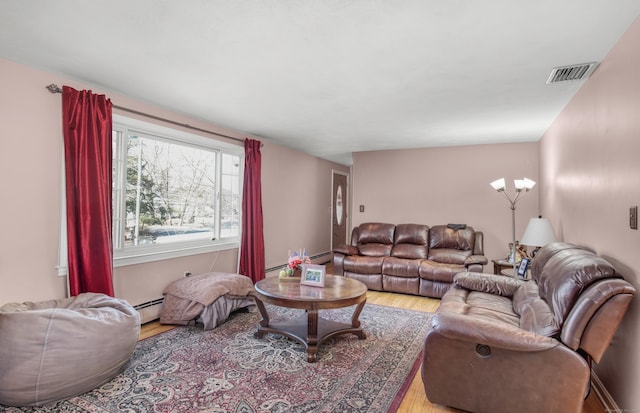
633 217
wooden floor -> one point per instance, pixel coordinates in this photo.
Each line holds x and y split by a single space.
415 399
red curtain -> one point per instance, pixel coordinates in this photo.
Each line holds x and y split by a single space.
252 244
86 124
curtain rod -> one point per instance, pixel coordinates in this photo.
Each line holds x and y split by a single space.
53 88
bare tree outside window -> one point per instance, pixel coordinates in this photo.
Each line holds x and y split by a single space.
175 191
170 192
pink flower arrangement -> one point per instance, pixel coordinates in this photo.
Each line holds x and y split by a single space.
295 262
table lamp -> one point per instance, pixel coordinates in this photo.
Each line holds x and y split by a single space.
539 233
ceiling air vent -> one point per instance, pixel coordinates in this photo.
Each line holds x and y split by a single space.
572 72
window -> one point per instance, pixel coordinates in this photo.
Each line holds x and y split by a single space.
174 193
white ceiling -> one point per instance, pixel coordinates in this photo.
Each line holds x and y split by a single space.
328 77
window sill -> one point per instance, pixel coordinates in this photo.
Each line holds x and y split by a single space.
141 256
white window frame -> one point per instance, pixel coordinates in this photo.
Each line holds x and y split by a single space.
154 252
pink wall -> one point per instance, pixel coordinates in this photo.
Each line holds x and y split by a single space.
447 185
30 171
591 175
296 197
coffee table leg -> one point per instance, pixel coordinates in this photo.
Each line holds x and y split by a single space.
265 319
355 322
312 335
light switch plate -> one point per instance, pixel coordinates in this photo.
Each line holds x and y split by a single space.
633 217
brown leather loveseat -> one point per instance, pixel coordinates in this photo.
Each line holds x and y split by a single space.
410 258
500 344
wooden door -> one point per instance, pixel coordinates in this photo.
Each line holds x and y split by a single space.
339 208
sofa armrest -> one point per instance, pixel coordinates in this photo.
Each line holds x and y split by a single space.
478 247
473 329
488 283
475 259
347 249
483 366
339 252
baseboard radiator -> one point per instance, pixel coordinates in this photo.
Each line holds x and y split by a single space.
149 310
319 259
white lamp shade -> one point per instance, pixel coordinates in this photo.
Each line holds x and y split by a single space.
498 184
539 232
528 183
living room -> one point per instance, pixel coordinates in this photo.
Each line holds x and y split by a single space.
584 166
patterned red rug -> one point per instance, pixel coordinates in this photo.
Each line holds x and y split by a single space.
228 370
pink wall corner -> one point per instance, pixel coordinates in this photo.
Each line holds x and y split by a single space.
448 185
31 171
296 194
591 174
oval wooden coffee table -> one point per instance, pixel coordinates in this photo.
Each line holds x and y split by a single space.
309 329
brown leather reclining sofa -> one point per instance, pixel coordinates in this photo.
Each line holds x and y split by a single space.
410 258
500 344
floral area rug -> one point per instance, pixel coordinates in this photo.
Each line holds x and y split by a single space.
228 370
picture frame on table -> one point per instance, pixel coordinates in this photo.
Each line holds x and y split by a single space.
313 275
522 268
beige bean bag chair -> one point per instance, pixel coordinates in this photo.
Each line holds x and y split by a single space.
57 349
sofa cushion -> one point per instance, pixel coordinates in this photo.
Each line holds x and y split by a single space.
346 249
535 314
566 273
375 250
449 255
488 283
549 251
437 271
441 236
490 307
363 265
376 233
411 241
375 239
401 267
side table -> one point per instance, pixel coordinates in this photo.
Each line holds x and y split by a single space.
499 265
509 273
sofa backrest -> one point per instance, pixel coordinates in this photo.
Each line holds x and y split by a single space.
374 239
535 314
585 294
563 271
449 245
411 241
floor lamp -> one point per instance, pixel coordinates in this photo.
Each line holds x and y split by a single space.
522 186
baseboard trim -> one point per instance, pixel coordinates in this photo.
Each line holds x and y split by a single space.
321 258
610 405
